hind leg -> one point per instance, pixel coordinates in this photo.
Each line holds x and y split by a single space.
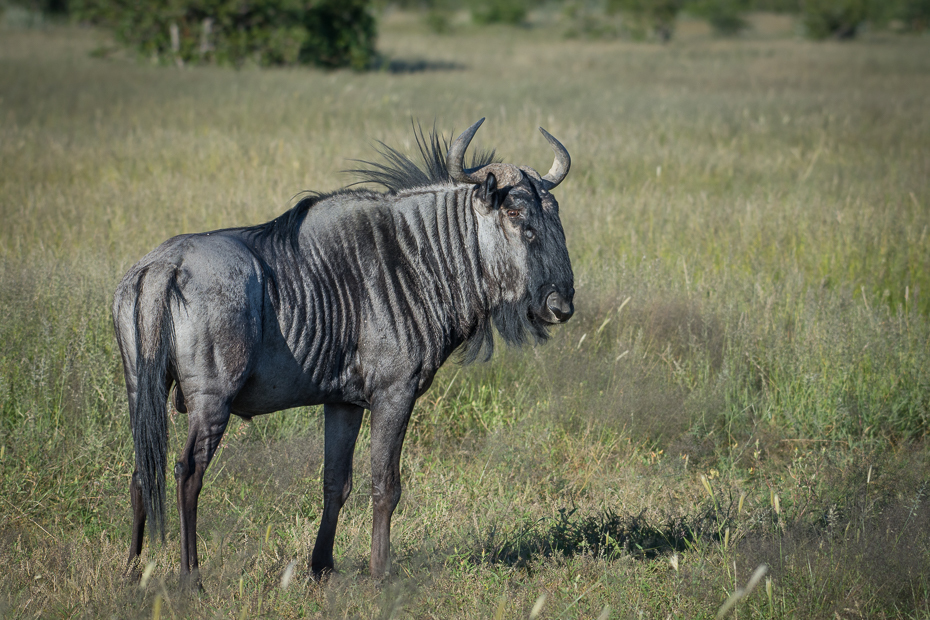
206 425
138 506
138 527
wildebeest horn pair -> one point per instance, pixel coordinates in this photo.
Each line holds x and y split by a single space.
456 159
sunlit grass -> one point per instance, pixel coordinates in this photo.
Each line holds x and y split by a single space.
748 222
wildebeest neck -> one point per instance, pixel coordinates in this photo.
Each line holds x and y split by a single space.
403 268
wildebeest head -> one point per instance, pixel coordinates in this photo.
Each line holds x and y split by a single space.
525 261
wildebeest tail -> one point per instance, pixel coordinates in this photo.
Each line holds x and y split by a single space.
152 292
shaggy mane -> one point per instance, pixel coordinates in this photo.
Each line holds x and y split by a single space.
397 172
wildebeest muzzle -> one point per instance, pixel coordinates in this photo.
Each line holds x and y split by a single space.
556 307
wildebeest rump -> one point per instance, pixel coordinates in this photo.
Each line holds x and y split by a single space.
352 300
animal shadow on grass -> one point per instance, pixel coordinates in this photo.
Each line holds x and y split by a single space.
604 534
398 66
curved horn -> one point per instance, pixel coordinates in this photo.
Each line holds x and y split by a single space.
562 162
456 157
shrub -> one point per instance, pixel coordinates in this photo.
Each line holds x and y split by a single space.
915 14
840 19
339 33
328 33
725 16
510 12
644 16
52 7
776 6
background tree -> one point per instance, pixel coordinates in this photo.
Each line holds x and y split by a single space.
328 33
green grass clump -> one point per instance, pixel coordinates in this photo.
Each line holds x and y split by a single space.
744 382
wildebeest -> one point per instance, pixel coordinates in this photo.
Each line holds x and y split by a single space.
352 300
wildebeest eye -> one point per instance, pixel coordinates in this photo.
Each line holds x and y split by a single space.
513 213
530 234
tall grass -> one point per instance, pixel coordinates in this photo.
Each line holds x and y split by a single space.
748 224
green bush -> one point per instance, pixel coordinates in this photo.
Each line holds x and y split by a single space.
840 19
643 16
50 7
511 12
915 14
725 16
339 33
328 33
776 6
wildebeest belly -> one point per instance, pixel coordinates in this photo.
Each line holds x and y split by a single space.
281 382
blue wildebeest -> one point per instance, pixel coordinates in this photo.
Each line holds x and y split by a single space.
352 300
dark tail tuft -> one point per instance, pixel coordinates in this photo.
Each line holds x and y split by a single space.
154 340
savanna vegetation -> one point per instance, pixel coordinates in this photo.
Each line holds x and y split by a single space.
746 380
343 33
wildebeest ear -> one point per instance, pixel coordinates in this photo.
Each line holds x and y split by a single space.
490 194
489 186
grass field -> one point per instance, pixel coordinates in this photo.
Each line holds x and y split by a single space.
746 380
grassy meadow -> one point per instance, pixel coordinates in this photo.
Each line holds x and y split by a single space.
746 380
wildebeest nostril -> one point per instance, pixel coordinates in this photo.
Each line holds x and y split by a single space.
560 307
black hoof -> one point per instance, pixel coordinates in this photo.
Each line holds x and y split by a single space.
321 574
133 573
191 585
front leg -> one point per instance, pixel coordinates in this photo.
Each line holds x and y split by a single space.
389 417
342 426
